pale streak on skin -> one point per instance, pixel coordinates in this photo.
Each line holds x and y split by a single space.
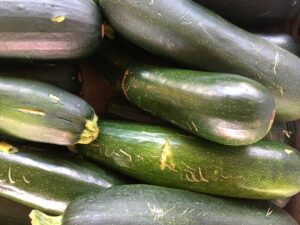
276 63
11 181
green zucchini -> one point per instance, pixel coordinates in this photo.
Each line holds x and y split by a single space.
153 205
254 13
49 29
167 157
63 75
47 179
40 112
224 108
192 35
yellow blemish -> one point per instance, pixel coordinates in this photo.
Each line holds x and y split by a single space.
288 151
126 154
33 112
53 97
11 181
7 148
166 155
270 211
58 19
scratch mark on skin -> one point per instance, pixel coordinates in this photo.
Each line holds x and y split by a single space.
157 212
126 154
126 73
11 181
184 212
192 178
270 211
194 126
140 158
54 98
281 91
33 112
286 133
116 154
108 155
189 126
276 63
25 180
151 2
205 214
192 210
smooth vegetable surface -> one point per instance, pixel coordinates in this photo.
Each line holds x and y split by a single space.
153 205
255 12
192 35
48 29
41 112
167 157
48 180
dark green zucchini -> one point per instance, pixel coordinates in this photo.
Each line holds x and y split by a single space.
225 108
48 180
153 205
167 157
191 34
63 75
40 112
49 29
255 12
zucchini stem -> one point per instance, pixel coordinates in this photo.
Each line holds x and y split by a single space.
90 132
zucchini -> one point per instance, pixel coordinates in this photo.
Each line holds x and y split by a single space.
224 108
167 157
254 13
63 75
48 180
40 112
192 35
49 29
153 205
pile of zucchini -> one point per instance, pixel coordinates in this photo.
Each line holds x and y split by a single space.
200 127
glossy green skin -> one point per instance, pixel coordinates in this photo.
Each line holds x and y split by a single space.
282 40
63 75
49 29
166 157
255 12
60 119
188 33
224 108
154 205
49 180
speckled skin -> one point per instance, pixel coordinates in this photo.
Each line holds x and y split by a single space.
48 29
192 35
49 180
153 205
167 157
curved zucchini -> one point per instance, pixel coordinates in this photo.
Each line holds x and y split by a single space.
152 205
166 157
48 180
255 12
189 33
224 108
41 112
49 29
62 75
